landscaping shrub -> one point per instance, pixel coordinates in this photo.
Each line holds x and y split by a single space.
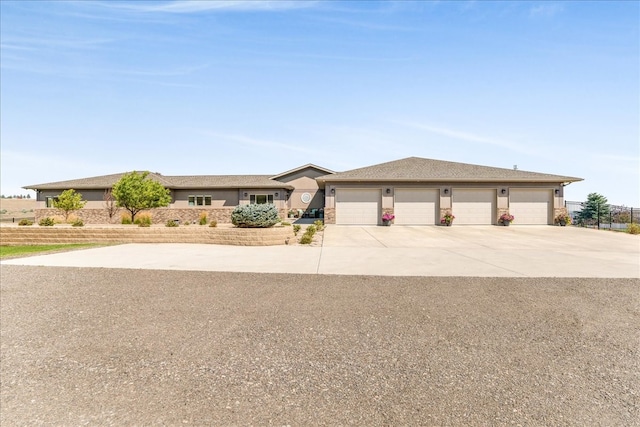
285 223
46 222
633 228
319 224
306 239
25 222
125 218
77 223
143 220
255 216
203 218
3 211
296 228
311 230
213 223
171 223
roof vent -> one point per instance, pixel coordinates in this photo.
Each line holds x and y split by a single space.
515 167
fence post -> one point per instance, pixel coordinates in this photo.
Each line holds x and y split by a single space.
631 214
598 214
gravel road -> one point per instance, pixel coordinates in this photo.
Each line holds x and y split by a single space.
133 347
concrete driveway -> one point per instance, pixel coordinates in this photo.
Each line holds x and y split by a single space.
482 251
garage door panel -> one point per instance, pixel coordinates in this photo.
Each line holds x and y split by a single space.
416 206
357 207
530 207
473 207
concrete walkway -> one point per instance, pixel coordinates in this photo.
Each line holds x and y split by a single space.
483 251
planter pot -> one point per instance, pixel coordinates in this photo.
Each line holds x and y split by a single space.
506 223
562 223
386 223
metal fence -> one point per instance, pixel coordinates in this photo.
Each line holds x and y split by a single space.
602 216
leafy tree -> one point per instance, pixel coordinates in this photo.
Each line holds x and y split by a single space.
68 202
136 192
596 203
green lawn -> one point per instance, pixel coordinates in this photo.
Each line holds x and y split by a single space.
14 251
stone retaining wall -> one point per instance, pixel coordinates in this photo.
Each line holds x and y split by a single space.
35 235
158 216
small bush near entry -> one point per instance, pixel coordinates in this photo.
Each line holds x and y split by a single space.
311 230
213 223
77 223
633 229
203 218
285 223
25 222
255 216
46 222
171 223
319 224
306 239
296 228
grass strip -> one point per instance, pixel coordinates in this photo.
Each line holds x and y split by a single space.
16 251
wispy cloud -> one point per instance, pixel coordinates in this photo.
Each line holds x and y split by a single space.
261 143
467 136
546 10
197 6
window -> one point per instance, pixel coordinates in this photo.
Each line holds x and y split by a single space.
49 201
199 200
261 199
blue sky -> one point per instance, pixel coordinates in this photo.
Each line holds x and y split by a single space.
233 87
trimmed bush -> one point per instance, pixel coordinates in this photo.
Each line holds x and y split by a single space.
306 239
213 223
77 223
255 216
296 228
171 223
203 218
633 229
25 222
319 224
285 223
46 222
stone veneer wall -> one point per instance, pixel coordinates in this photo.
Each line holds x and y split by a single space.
329 215
158 216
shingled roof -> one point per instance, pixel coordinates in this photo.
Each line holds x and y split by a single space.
417 169
171 182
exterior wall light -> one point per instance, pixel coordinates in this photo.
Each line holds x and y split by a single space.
277 194
557 192
388 191
446 191
333 191
246 194
503 191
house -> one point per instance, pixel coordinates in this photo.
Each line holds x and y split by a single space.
416 190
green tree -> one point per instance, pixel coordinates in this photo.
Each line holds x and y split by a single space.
68 202
595 204
136 192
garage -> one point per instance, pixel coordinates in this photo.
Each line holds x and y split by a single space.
416 206
530 206
473 207
357 207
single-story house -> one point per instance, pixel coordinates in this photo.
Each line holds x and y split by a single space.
416 190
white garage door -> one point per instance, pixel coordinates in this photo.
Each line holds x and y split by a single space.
530 206
358 207
416 206
473 206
